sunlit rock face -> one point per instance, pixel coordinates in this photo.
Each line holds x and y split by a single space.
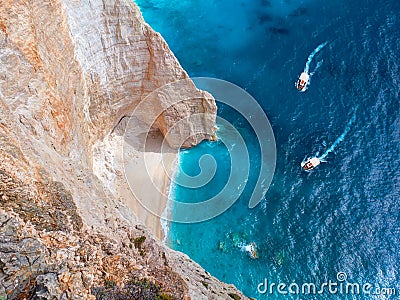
70 71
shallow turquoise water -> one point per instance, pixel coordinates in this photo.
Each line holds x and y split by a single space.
342 217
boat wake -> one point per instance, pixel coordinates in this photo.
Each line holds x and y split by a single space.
311 56
340 138
305 77
315 70
309 164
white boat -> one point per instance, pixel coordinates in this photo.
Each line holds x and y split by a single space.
310 164
302 82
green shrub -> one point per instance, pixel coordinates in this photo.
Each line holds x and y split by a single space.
234 296
139 241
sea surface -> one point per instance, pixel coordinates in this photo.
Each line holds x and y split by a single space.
338 223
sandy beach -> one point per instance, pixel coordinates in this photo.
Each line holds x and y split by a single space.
148 172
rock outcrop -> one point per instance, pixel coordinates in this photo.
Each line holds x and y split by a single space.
70 71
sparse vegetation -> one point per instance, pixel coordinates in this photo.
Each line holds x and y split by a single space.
163 296
234 296
165 259
109 283
138 242
142 289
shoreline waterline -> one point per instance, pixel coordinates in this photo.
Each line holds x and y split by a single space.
147 192
168 207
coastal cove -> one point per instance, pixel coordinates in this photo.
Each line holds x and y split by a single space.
199 150
341 218
90 96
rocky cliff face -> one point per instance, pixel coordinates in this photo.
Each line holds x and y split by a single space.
70 71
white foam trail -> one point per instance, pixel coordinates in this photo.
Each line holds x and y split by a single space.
316 68
341 137
310 58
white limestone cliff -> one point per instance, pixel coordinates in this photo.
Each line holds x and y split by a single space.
70 71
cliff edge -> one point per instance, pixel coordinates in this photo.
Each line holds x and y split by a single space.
71 72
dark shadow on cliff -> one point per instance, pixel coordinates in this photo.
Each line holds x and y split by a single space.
137 134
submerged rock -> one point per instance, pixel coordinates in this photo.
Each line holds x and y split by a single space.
279 30
298 12
264 18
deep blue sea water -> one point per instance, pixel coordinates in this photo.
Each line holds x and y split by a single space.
342 217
